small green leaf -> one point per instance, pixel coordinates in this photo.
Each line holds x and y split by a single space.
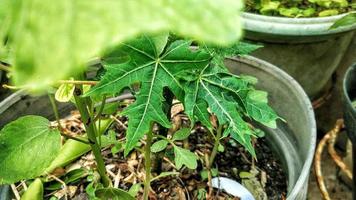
117 148
184 157
181 134
134 189
259 132
244 174
113 194
329 12
34 191
28 146
204 173
65 92
159 146
201 194
221 148
250 79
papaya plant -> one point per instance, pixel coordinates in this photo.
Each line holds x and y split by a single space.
155 69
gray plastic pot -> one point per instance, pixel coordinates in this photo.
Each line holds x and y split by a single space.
349 95
294 141
303 47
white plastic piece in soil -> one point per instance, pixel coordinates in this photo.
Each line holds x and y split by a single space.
232 187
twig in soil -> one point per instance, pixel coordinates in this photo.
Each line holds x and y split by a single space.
24 185
117 179
185 188
245 157
169 162
207 163
65 188
119 122
16 193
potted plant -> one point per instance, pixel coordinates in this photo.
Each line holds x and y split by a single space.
299 37
142 135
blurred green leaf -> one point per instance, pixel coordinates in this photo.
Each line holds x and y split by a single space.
28 146
181 134
52 40
347 20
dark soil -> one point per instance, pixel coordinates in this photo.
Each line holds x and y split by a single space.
128 171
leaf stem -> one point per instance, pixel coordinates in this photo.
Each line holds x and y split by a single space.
55 110
216 146
90 129
148 164
76 82
101 108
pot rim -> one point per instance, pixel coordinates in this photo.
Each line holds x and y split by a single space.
345 89
287 79
294 26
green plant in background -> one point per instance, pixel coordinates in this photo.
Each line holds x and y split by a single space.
347 20
156 69
300 8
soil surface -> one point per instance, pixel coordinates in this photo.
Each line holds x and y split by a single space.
266 173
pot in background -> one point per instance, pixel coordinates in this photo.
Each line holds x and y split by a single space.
349 95
294 141
303 47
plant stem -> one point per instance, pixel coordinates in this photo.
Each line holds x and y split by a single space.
148 164
216 146
5 68
101 108
55 110
90 129
56 114
78 82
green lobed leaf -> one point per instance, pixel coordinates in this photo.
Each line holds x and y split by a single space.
154 71
45 50
213 87
159 146
28 146
113 194
239 48
181 134
230 98
184 157
258 109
